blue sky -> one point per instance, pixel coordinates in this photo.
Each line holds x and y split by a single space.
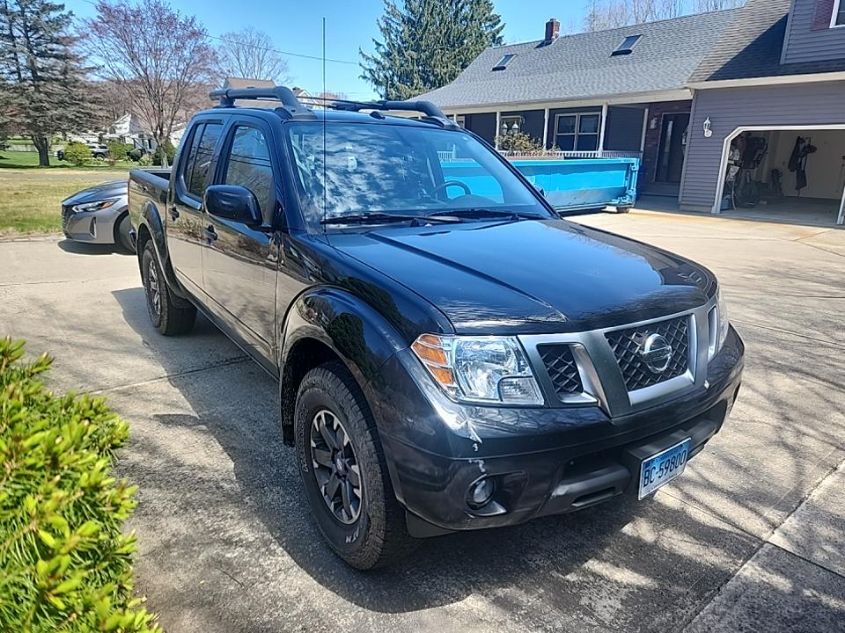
350 25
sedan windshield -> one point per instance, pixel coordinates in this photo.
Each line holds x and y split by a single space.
383 170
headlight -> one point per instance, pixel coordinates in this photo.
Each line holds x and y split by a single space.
96 206
484 370
719 324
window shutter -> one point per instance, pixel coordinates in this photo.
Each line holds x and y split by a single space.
824 14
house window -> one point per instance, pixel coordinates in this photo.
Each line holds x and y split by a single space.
627 46
511 125
577 132
503 63
838 14
461 120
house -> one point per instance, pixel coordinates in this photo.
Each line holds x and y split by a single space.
616 92
777 73
680 93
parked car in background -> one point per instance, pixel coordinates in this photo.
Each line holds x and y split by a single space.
99 215
98 151
451 354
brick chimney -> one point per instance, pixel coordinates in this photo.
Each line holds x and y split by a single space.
552 30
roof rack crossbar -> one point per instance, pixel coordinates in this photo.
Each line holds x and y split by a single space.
424 107
227 96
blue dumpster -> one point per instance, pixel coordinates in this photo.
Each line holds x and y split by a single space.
569 185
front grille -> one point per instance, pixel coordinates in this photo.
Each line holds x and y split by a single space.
627 346
562 369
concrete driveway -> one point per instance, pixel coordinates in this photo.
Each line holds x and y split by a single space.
750 538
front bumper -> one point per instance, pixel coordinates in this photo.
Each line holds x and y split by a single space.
92 227
543 461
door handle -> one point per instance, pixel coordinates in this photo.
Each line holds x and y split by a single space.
210 233
174 213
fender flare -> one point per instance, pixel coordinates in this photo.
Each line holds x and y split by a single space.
348 326
151 219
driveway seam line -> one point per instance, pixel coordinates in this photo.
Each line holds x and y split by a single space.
225 363
806 560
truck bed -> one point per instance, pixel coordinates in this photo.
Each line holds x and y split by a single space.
147 185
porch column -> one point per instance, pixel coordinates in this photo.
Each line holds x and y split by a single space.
498 127
841 218
603 128
645 130
546 129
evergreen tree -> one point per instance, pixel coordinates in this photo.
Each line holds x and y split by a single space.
41 77
427 43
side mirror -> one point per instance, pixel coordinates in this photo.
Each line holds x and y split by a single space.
233 202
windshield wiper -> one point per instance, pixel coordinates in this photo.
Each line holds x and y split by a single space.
481 212
383 218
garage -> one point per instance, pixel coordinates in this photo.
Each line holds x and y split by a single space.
789 173
767 131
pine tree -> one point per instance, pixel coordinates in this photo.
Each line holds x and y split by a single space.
427 43
43 92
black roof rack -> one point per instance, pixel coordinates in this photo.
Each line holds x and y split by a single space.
294 105
284 94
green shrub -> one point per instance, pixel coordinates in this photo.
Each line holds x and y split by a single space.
77 153
65 564
169 150
519 142
118 150
146 160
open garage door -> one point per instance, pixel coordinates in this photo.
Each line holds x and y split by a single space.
791 173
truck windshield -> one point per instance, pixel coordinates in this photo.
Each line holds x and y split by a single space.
385 170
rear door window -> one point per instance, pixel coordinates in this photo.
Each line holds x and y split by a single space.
206 141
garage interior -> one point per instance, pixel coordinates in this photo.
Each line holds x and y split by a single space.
781 192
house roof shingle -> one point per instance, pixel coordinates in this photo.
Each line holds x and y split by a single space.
581 66
751 46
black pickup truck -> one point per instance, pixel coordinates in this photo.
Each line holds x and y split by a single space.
451 355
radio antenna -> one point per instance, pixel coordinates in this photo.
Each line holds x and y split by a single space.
325 110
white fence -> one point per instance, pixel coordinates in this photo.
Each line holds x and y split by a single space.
540 154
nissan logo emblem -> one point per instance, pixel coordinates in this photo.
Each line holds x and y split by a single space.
656 353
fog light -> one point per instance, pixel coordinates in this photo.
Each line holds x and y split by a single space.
480 493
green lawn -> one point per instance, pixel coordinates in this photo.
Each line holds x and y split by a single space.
30 198
29 160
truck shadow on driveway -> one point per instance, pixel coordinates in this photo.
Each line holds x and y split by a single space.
243 517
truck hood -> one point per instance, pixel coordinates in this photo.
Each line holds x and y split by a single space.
532 276
111 189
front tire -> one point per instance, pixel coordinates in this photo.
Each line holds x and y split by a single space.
344 472
166 316
623 209
122 238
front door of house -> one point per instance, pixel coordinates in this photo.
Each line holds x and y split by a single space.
673 146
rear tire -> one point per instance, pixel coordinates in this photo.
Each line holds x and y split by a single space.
166 316
338 447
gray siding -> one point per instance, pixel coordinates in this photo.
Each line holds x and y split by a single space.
482 124
624 129
808 36
807 104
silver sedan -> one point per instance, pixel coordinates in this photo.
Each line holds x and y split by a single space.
99 215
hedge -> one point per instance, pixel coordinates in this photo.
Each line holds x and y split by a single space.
65 563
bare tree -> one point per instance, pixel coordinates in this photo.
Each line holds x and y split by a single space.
716 5
156 55
610 14
249 53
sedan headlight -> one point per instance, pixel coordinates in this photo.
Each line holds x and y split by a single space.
719 324
96 206
482 370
